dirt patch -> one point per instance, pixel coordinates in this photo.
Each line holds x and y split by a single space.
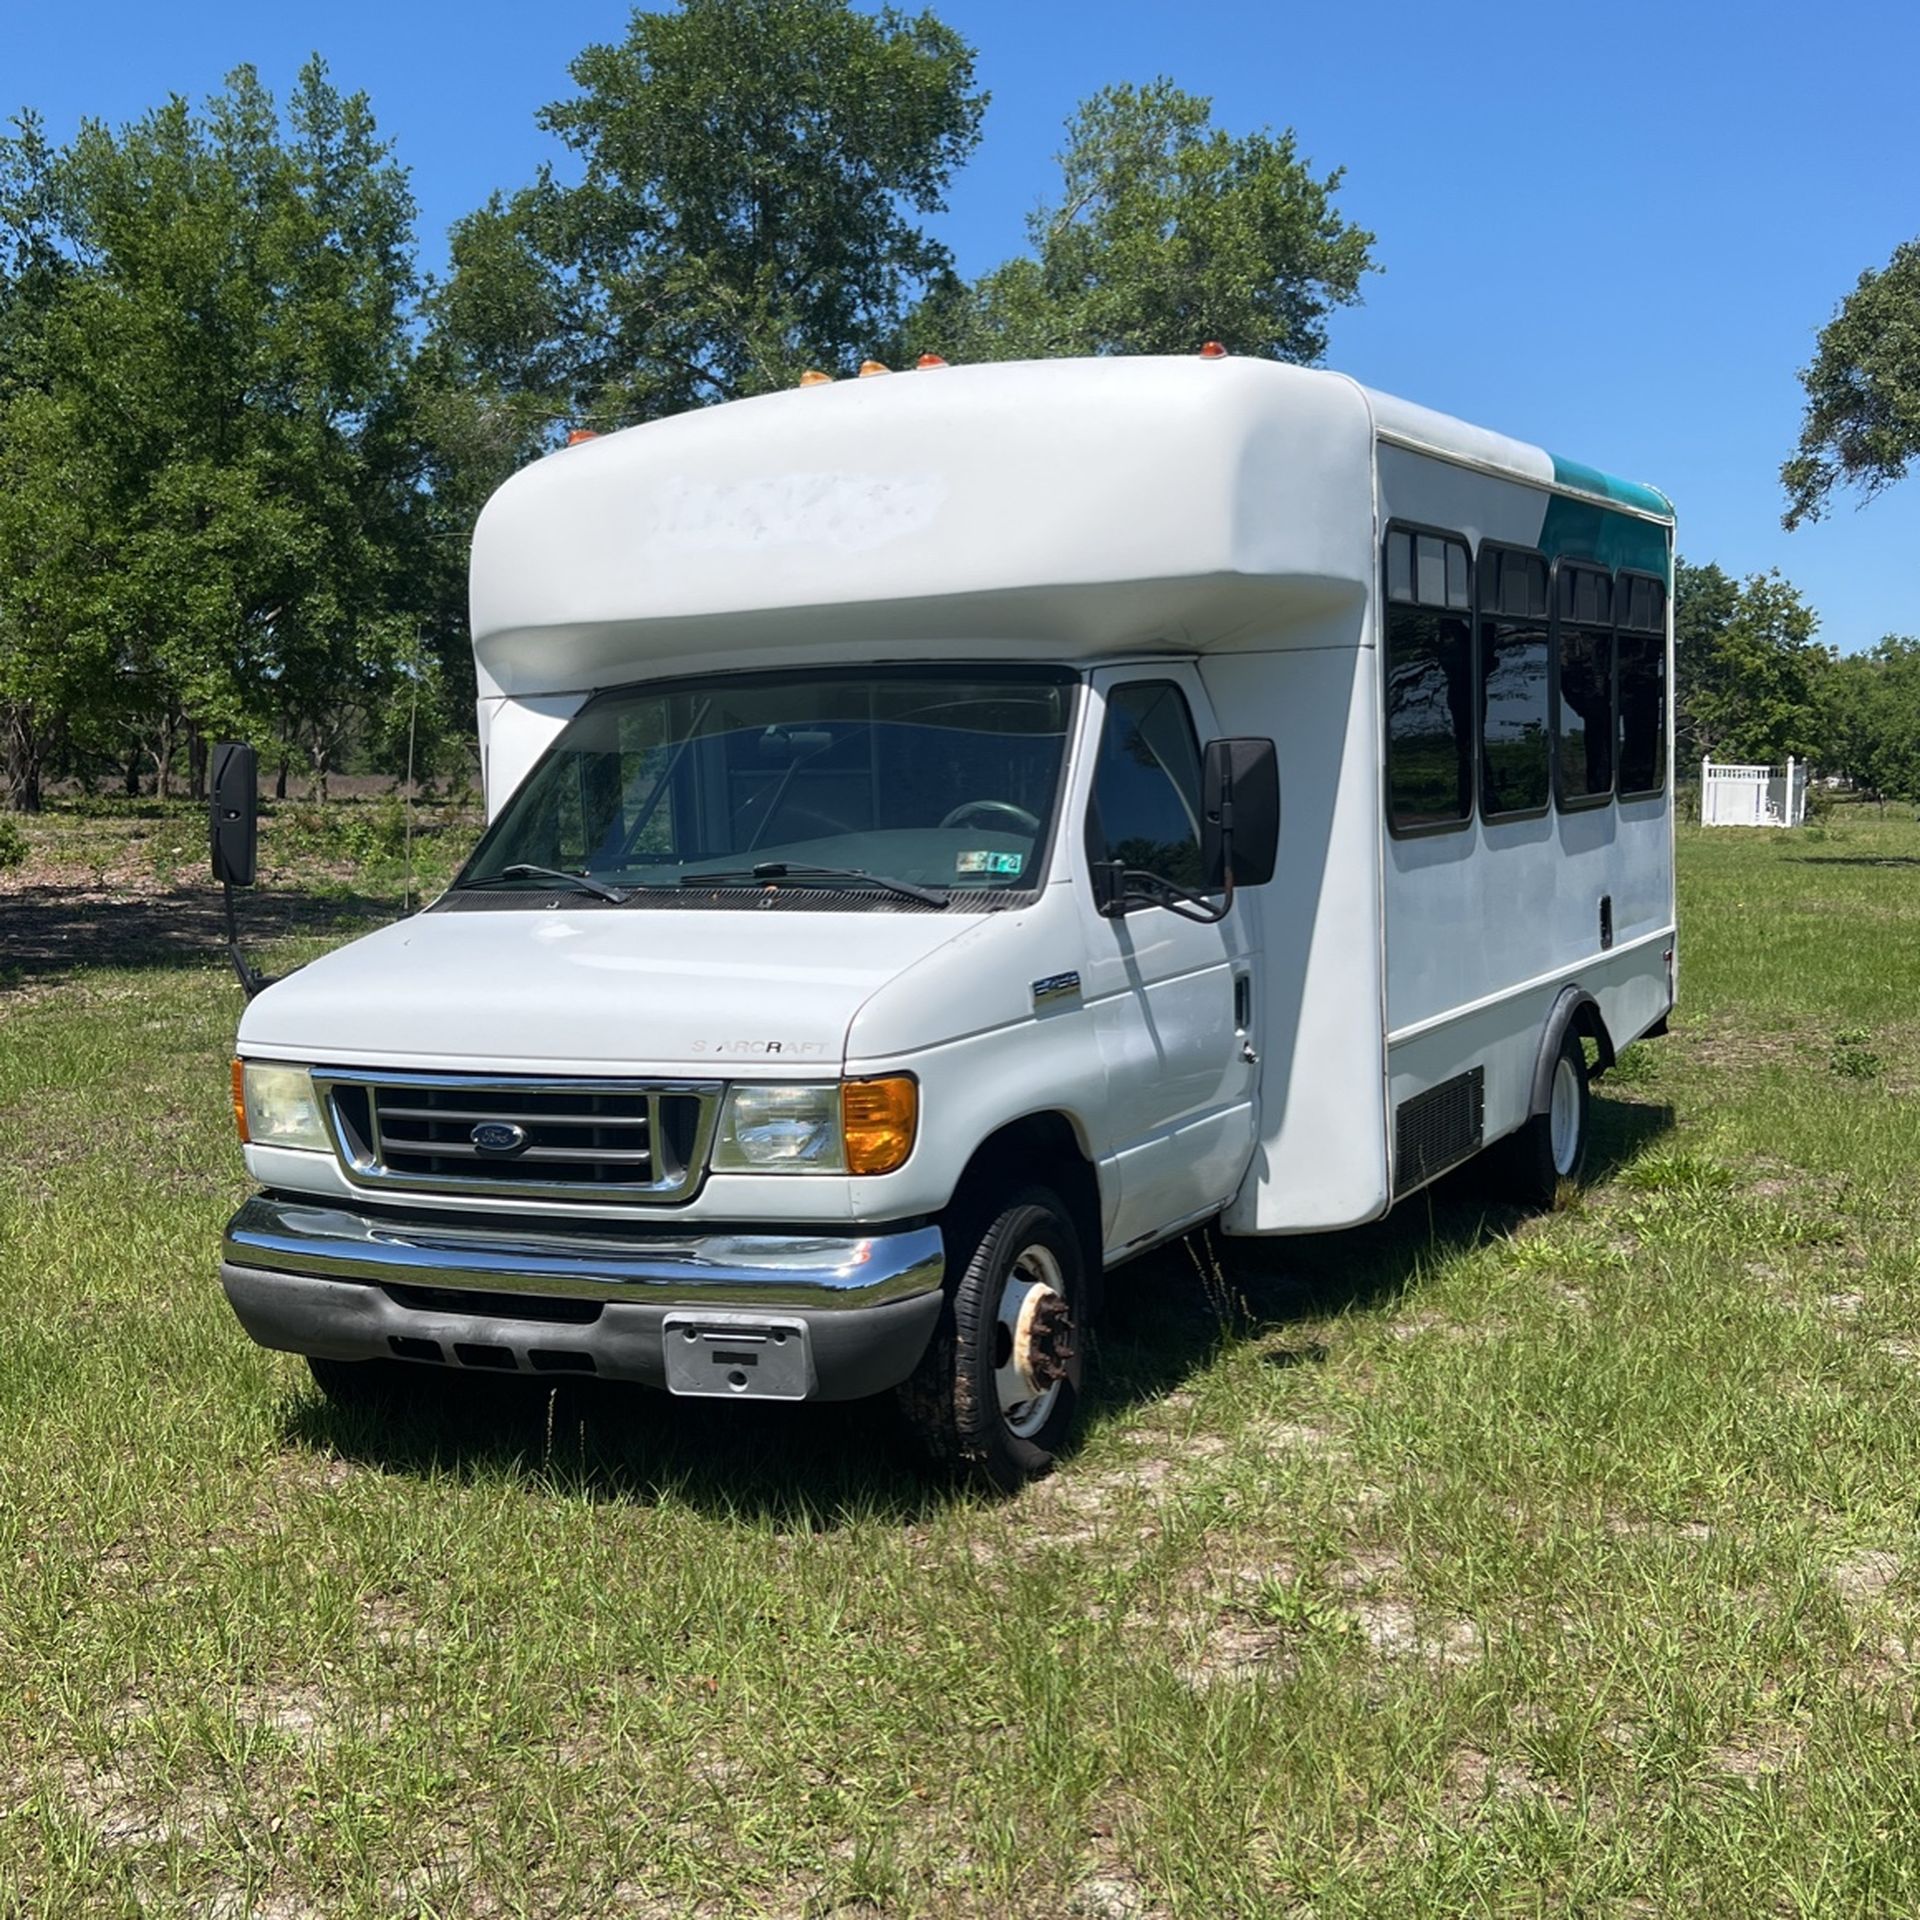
300 1713
124 1814
1113 1894
1724 1040
52 931
1754 1761
1475 1777
1865 1577
237 1903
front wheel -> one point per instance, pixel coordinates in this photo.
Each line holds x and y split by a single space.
998 1388
1548 1153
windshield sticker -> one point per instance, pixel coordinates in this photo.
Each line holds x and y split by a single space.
984 862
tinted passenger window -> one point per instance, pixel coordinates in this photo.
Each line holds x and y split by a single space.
1146 787
1515 757
1642 607
1583 724
1429 674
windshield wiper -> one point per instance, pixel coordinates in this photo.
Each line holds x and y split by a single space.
524 870
776 870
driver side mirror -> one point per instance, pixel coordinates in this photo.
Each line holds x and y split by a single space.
233 814
1239 809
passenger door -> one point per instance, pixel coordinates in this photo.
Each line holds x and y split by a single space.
1171 998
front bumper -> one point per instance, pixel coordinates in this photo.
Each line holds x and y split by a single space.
318 1279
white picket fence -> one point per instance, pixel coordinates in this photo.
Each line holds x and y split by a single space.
1753 796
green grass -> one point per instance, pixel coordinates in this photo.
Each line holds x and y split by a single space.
1466 1564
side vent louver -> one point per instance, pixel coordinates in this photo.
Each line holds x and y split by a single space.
1439 1128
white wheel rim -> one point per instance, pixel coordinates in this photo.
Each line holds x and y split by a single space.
1025 1403
1563 1118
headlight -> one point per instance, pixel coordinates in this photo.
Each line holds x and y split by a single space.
279 1107
775 1129
857 1126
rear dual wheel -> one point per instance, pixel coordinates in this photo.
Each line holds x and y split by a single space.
998 1388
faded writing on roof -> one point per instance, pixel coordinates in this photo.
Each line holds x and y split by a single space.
849 512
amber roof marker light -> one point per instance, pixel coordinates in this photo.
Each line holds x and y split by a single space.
813 377
579 436
929 360
1213 350
868 368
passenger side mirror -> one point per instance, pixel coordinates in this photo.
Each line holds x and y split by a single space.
233 814
1239 812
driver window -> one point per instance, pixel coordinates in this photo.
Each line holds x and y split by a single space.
1146 784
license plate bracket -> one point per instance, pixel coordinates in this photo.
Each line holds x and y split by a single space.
737 1356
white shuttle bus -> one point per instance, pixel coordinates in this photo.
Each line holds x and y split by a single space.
949 833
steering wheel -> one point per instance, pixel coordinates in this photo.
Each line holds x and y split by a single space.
1028 823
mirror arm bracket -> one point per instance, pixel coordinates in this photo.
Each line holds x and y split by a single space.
251 980
1116 887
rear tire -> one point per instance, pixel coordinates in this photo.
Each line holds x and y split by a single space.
1543 1161
997 1391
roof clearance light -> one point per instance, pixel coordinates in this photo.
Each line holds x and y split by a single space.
575 435
813 377
930 360
1213 350
871 367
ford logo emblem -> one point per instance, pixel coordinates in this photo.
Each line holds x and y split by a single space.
498 1136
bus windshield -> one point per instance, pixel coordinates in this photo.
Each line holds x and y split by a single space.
942 779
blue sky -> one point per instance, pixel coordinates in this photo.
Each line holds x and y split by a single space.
1613 231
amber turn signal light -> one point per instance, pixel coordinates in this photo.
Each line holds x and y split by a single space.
878 1121
240 1100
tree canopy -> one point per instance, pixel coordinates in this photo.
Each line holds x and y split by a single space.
1167 232
753 177
1869 707
1746 667
1862 424
207 480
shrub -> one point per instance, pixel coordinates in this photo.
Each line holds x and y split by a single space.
13 844
1853 1057
341 830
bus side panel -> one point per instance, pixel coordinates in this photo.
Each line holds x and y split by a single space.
1503 1039
1319 1157
1487 922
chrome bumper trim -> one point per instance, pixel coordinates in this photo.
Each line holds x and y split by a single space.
759 1269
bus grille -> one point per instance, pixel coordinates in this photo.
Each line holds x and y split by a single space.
575 1139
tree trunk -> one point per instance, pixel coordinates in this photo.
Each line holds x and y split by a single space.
132 785
163 759
280 778
22 751
196 763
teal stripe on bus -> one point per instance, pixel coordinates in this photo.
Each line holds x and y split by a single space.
1629 493
1586 530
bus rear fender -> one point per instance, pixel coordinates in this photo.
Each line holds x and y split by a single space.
1578 1011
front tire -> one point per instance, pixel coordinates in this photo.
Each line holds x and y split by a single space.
1546 1157
998 1389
